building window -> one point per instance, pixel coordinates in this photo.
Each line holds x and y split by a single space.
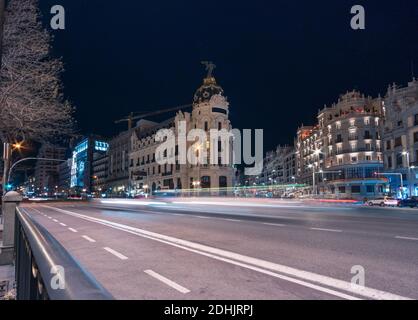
367 135
368 158
366 121
206 126
219 125
416 120
353 159
340 161
399 160
338 125
415 136
355 189
400 123
341 189
339 139
370 188
398 142
390 162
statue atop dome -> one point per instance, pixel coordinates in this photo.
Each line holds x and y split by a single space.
210 66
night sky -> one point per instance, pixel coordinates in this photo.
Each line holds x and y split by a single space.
278 61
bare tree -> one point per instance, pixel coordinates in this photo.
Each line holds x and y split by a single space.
31 101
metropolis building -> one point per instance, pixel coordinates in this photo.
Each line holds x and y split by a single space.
146 173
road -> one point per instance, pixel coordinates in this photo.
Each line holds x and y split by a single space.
203 248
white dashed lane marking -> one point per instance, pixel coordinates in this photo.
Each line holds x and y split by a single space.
88 239
328 230
63 224
274 224
72 230
115 253
406 238
168 282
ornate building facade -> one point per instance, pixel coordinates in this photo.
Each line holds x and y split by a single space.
400 135
146 173
342 155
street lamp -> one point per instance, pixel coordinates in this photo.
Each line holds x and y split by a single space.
406 153
311 166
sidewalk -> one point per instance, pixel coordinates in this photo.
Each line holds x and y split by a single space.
7 282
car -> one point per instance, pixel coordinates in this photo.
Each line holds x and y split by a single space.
386 201
411 202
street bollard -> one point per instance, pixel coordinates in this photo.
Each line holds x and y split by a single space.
10 201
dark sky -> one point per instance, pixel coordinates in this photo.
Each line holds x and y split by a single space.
278 61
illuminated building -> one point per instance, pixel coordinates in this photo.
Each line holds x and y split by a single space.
210 111
342 153
400 137
82 163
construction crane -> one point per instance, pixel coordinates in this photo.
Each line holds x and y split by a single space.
134 116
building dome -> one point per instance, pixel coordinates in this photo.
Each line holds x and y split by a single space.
207 90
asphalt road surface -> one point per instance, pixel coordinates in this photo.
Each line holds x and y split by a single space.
202 248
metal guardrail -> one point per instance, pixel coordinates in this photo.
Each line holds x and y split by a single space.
38 257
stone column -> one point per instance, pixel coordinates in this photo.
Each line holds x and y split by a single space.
10 201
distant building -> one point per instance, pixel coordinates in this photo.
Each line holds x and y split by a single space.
279 166
64 176
100 173
82 163
46 172
400 138
118 165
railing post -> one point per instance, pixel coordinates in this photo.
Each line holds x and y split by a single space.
10 201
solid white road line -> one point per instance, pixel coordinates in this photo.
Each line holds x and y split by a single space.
72 230
167 281
406 238
202 217
63 224
115 253
274 224
259 265
234 220
328 230
178 214
88 239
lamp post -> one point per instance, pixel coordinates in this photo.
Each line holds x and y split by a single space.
313 178
406 153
